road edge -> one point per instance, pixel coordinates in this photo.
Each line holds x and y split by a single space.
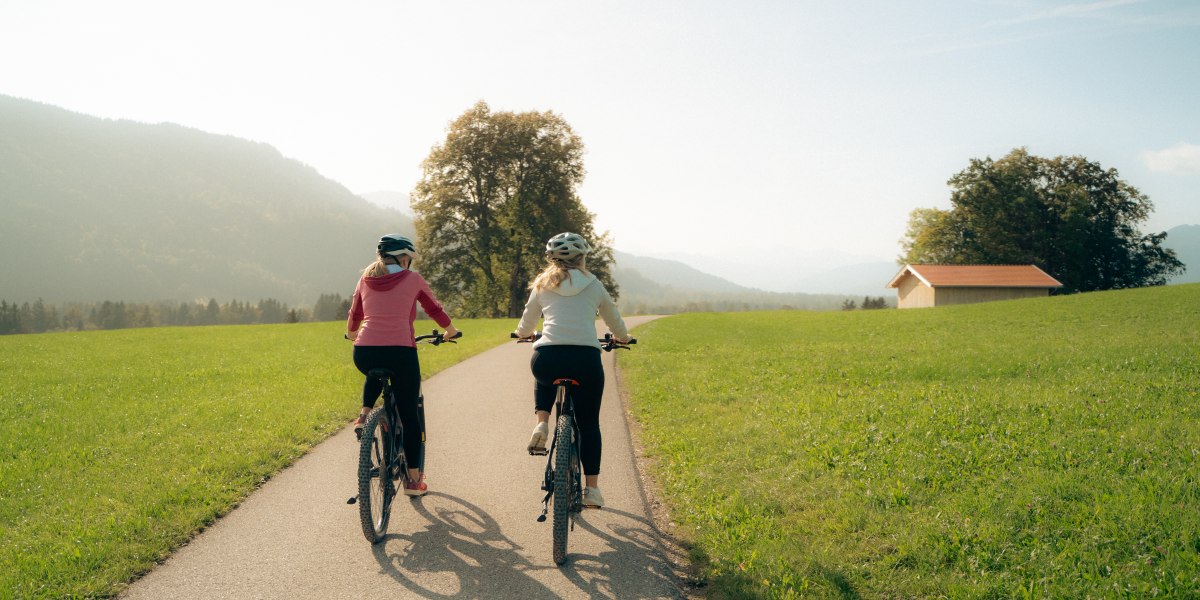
676 546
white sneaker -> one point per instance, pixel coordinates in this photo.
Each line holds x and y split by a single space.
537 440
592 498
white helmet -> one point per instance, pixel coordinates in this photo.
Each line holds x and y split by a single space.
566 246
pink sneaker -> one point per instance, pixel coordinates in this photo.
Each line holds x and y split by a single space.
416 488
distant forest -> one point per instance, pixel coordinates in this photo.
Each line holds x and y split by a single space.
40 317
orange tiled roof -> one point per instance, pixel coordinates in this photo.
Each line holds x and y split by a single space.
978 276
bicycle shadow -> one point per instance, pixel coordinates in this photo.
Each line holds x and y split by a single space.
627 535
463 553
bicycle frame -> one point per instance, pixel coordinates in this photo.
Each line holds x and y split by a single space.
564 406
394 451
383 467
382 464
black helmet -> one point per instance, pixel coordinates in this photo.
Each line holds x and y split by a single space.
394 244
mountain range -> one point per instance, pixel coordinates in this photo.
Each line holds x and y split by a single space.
656 285
397 201
98 209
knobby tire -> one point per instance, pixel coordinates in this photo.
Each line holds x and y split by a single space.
375 489
563 446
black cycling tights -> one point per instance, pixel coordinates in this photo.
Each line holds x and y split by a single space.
581 363
406 386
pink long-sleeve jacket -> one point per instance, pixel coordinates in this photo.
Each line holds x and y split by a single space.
385 308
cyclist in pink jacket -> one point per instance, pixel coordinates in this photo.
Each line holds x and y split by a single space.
381 325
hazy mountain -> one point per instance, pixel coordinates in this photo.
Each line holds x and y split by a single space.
672 273
789 270
655 285
859 279
389 199
1185 241
99 209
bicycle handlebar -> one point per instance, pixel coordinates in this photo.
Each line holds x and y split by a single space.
434 338
607 343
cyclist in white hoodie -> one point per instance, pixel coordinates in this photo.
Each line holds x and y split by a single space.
567 297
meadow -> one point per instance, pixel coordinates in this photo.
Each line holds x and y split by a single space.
1039 448
1024 449
118 446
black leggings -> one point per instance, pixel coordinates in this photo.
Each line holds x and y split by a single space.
581 363
406 386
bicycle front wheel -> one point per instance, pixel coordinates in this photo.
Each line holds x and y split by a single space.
375 488
563 444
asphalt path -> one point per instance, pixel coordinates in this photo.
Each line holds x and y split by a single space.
475 535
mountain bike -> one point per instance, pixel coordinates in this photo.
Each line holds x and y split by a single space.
562 480
382 464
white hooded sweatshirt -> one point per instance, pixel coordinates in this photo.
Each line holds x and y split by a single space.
569 312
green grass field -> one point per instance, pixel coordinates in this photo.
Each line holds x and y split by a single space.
1039 448
117 446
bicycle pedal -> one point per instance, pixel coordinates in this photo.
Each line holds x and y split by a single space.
537 452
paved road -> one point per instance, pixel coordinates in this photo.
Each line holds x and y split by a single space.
474 535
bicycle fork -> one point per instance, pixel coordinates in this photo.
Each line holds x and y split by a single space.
574 483
548 480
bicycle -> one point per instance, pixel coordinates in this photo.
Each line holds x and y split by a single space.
382 463
562 480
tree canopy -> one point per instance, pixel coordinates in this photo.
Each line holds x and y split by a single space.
491 194
1074 219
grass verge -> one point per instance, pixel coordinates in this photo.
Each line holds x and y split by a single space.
1037 448
118 446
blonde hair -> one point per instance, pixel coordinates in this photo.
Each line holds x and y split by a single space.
379 267
557 271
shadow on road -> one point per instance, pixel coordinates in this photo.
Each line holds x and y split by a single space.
461 552
628 535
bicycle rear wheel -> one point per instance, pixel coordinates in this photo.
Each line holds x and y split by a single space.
563 446
375 488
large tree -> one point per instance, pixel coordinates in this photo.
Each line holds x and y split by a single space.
491 194
1068 215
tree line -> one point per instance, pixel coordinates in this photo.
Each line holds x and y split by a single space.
40 317
868 303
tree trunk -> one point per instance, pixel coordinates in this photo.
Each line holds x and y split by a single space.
516 287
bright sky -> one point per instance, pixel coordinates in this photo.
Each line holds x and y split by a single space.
762 131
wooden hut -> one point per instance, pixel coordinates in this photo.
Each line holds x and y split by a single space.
941 285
